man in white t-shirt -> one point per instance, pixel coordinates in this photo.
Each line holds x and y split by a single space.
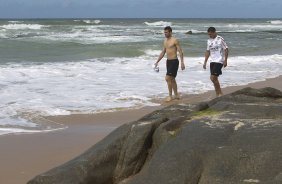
217 51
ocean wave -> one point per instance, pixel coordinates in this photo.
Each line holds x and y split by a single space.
5 131
15 21
3 34
275 22
92 21
240 31
224 30
193 31
279 39
274 31
94 39
27 35
159 23
151 53
250 27
89 21
96 84
23 26
28 122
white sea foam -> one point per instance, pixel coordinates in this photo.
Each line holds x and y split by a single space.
248 27
95 34
95 85
275 22
89 21
98 33
89 38
196 31
4 131
152 53
22 26
241 31
30 90
92 21
3 33
159 23
15 21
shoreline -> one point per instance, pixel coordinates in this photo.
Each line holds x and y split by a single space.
23 156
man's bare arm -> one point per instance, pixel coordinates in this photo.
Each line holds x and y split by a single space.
207 55
179 49
161 55
225 57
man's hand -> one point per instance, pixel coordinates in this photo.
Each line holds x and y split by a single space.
182 66
205 65
225 64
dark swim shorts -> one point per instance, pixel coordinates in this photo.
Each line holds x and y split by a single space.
216 69
172 67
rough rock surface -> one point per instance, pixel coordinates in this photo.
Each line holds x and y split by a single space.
233 139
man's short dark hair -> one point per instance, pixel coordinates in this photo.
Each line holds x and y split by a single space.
168 28
211 29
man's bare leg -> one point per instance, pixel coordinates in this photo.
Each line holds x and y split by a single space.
169 86
216 84
174 87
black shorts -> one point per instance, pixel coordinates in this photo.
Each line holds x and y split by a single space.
172 67
216 68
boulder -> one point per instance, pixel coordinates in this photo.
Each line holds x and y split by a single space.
236 138
188 32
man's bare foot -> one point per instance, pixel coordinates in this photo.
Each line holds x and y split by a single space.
176 97
219 95
168 99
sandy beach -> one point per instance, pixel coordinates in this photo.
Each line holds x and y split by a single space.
24 156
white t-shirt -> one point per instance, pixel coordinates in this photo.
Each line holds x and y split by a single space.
216 47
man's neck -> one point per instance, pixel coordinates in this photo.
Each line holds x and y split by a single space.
168 38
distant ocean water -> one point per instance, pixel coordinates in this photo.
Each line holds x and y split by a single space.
61 67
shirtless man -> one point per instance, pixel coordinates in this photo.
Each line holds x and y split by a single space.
170 47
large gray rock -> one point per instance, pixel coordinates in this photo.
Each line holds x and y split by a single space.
116 157
234 139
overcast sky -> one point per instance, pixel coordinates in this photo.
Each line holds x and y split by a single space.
140 8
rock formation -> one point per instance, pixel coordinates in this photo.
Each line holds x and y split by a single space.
233 139
188 32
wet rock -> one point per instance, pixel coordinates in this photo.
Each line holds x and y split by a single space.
188 32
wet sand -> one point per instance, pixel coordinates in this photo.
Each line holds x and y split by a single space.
24 156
